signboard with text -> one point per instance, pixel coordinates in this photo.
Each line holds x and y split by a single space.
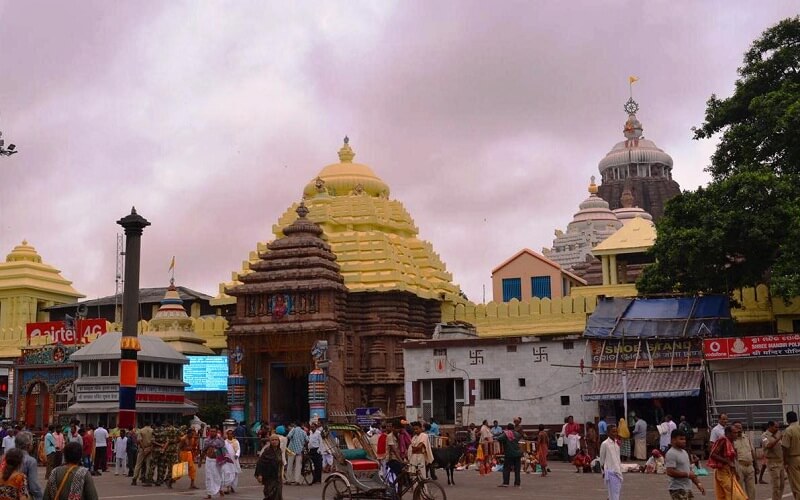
784 344
58 333
637 353
206 373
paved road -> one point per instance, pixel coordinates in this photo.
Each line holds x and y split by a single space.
562 484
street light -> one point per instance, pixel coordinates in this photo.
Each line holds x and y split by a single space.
10 150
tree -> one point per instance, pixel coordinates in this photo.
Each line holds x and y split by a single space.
744 227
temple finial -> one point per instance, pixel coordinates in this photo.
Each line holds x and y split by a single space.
346 153
302 210
592 186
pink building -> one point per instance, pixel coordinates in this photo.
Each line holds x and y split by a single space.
528 274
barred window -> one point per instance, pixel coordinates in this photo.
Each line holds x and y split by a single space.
440 352
490 388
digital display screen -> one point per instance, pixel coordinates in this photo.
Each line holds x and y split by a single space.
206 373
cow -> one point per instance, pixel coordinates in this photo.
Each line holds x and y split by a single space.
447 459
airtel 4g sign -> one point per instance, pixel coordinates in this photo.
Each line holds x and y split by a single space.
58 332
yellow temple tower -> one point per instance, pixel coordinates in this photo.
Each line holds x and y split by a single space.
27 287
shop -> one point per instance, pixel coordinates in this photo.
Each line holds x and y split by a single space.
458 378
647 355
753 379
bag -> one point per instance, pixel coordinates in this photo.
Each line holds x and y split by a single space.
179 470
701 471
622 429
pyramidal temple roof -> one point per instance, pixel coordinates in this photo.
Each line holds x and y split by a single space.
172 325
374 238
24 268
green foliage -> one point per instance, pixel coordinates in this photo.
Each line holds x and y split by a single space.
214 413
744 227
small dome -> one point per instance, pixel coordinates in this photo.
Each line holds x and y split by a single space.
24 252
593 208
346 178
635 149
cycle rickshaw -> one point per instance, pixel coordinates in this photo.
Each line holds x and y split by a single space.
358 473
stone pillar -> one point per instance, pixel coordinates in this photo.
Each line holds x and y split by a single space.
134 225
604 263
237 385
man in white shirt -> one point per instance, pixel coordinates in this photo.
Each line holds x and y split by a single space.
100 449
611 463
719 430
665 439
314 451
8 441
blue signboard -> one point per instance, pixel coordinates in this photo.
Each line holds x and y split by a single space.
206 373
364 416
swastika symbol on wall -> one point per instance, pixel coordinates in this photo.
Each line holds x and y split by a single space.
540 354
476 357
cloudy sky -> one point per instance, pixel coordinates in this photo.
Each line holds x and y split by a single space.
486 118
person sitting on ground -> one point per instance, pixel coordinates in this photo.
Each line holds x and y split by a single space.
582 461
529 463
655 464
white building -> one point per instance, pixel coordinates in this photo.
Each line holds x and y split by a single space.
459 378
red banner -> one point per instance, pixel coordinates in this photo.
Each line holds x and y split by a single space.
59 334
786 344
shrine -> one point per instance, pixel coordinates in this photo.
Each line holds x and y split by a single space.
346 271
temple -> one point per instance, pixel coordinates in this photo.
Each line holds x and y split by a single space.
593 223
348 268
172 325
28 286
640 166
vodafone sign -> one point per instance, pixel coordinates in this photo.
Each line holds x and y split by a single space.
787 344
59 334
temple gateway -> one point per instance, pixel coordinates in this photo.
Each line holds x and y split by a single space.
348 269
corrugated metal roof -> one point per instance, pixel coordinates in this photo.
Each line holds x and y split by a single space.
646 385
107 347
146 296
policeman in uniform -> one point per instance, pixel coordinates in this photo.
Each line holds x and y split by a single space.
172 437
144 458
773 452
157 460
791 453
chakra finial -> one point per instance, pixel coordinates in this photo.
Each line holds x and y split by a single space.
346 153
302 210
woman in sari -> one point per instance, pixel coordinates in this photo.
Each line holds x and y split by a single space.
269 469
13 482
542 447
723 461
71 481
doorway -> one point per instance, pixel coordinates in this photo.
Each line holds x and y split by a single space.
442 400
288 393
37 403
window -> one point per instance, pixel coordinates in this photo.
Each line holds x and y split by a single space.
512 289
746 385
564 400
568 345
440 352
521 382
511 348
540 286
490 388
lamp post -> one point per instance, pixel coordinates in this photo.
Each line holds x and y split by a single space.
129 345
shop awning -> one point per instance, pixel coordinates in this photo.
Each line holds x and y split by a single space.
617 318
645 384
79 408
